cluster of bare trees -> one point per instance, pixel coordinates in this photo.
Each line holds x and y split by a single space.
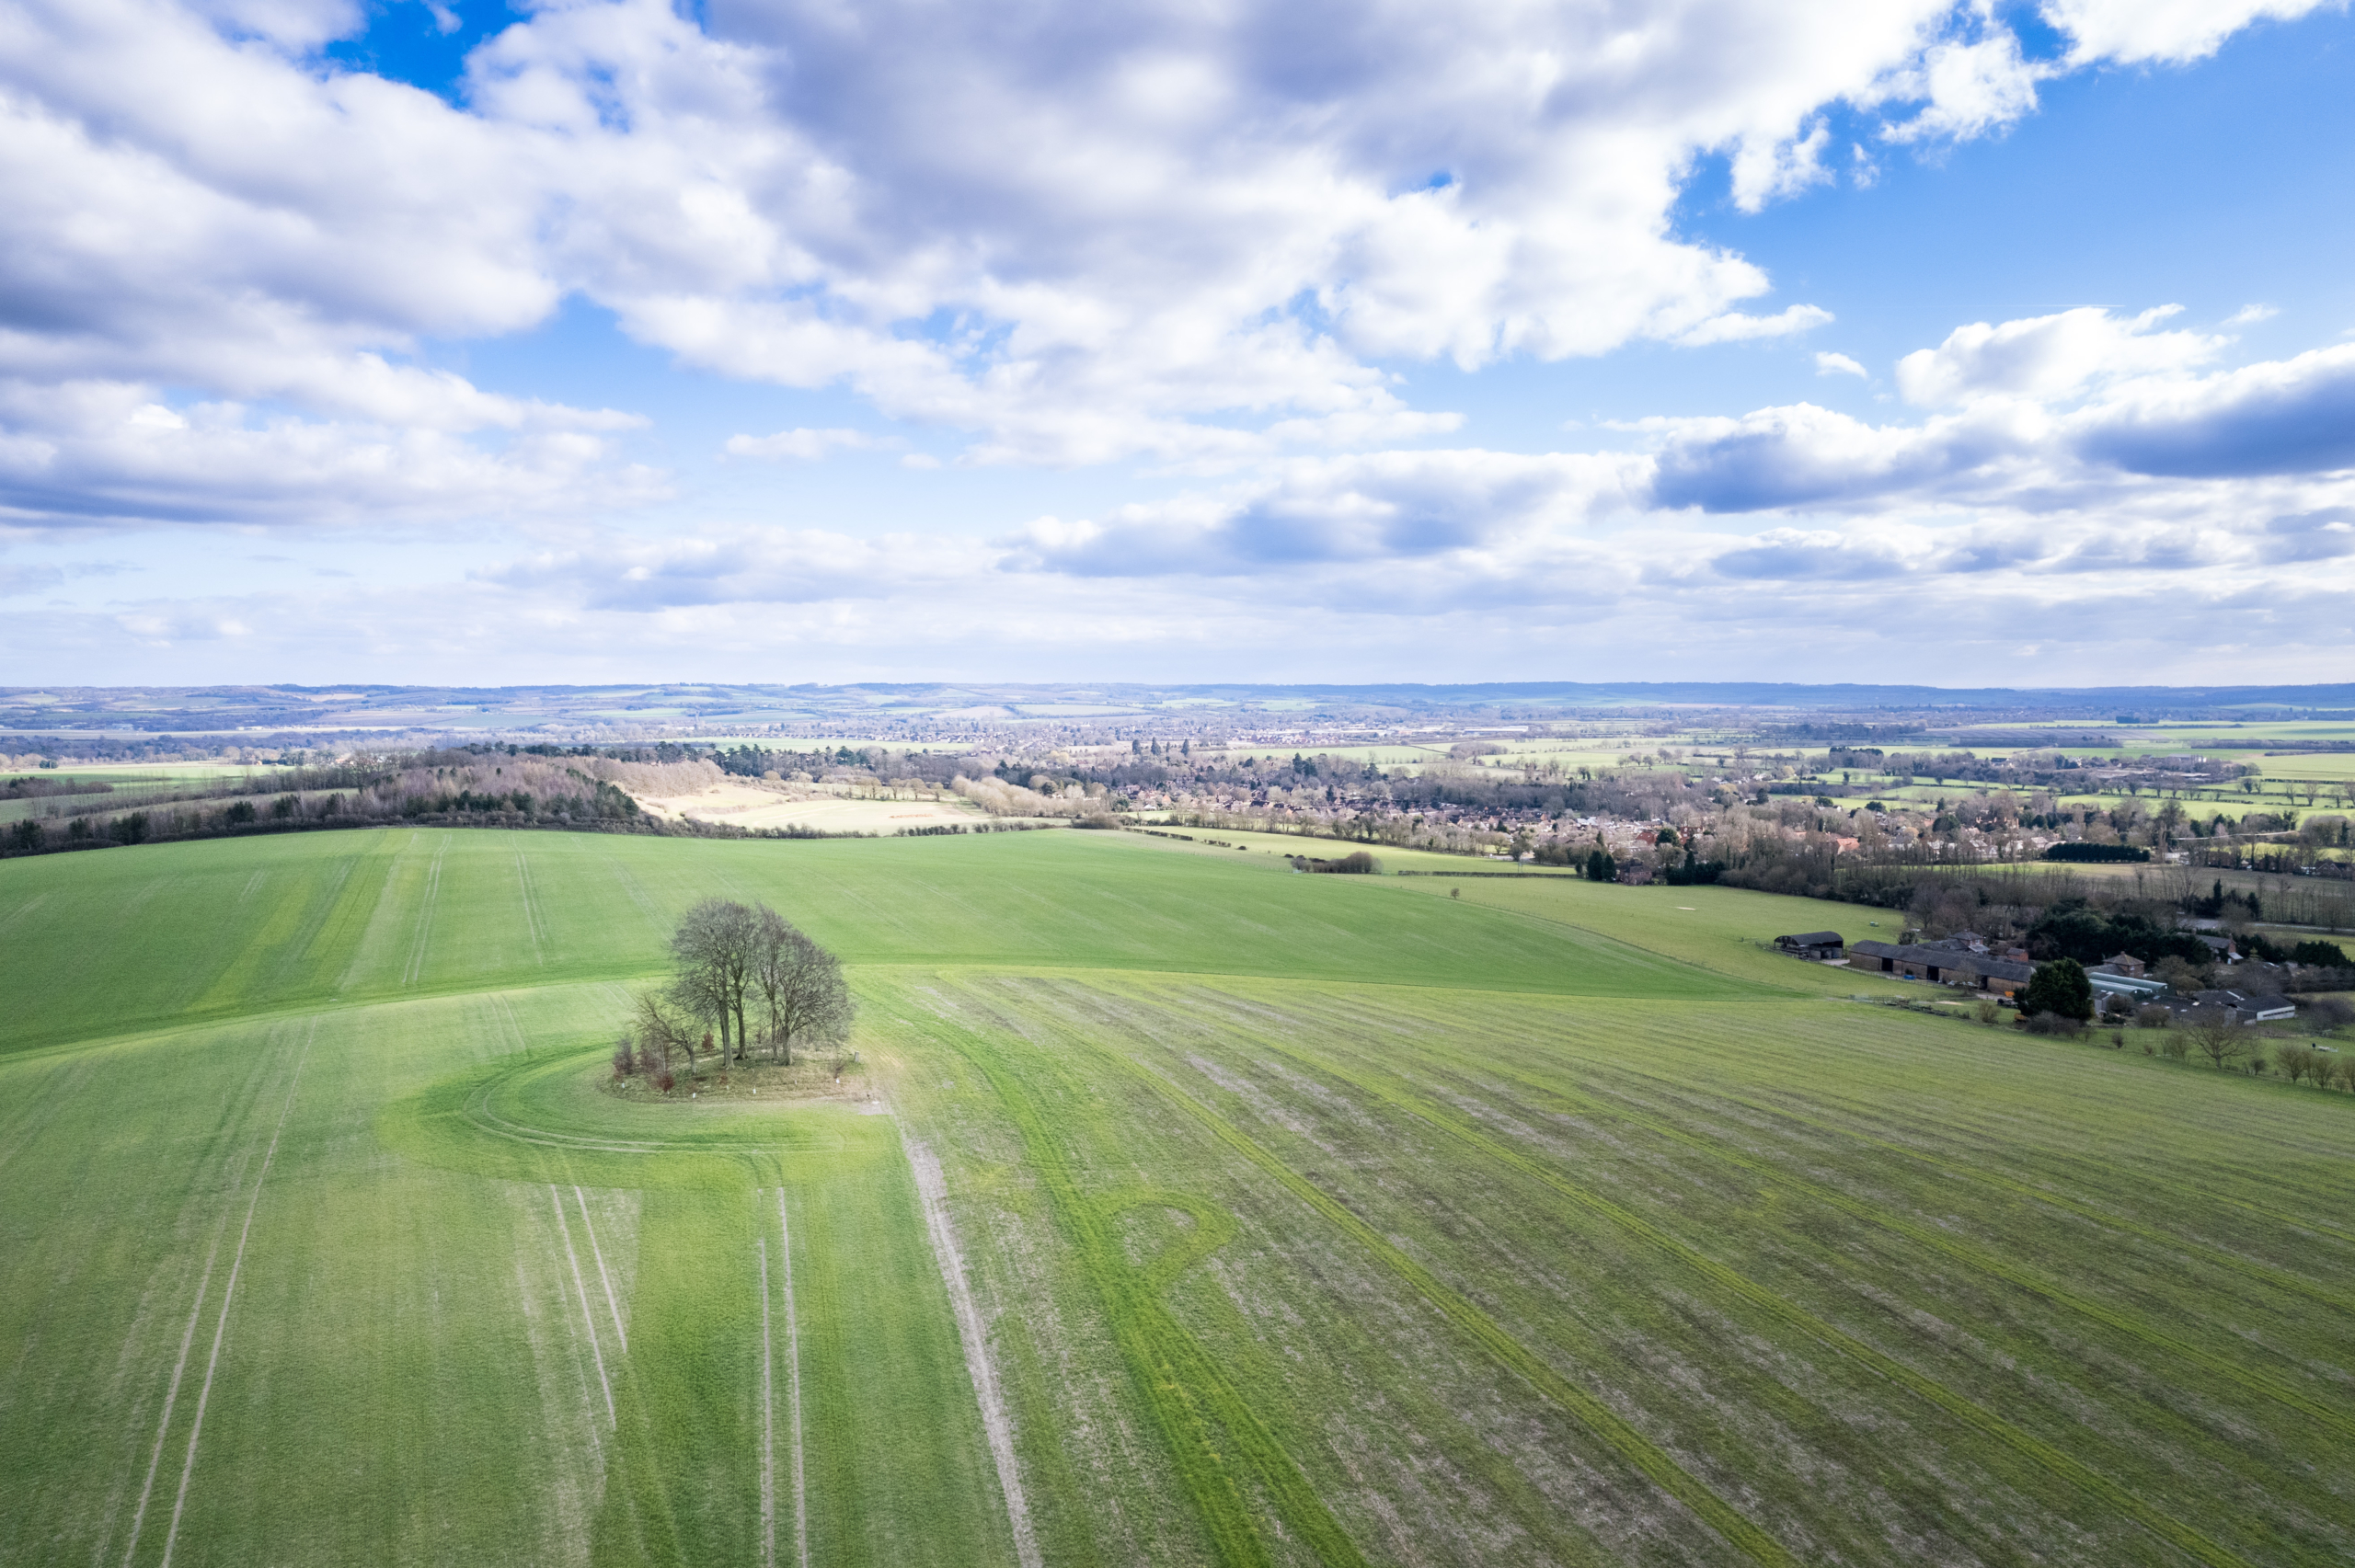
744 976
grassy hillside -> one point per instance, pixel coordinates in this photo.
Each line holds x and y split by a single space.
166 934
1311 1219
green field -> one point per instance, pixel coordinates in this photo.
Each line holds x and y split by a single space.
1303 1219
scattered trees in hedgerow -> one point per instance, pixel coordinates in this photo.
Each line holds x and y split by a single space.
2218 1037
2060 987
743 978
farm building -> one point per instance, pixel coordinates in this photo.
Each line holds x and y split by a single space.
1943 966
1812 944
2245 1008
2125 976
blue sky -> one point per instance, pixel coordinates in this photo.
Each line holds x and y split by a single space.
1978 343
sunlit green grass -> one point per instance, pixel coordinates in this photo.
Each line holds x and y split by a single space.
1314 1220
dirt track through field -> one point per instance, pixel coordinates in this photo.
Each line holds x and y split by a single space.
228 1296
611 1304
933 1191
588 1317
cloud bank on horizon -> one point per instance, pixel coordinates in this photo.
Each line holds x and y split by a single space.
1199 268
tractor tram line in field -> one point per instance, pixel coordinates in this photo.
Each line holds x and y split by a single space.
1888 1366
588 1317
1196 1407
1255 1219
1957 1171
793 1374
228 1299
1407 1099
413 970
1616 1432
932 1191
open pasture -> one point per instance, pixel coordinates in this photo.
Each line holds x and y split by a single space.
1302 1220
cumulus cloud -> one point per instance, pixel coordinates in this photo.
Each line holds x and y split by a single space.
1384 506
2166 31
752 565
2048 356
803 445
1195 237
1839 364
113 453
1736 327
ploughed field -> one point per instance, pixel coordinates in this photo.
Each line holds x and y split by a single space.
1294 1220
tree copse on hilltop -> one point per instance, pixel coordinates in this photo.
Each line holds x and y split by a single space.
734 963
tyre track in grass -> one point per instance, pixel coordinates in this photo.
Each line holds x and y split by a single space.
931 1190
2093 1482
532 921
588 1318
2271 1273
228 1299
612 1303
1957 1171
414 970
187 1340
1930 1237
793 1382
1195 1405
768 1412
1951 1170
1620 1436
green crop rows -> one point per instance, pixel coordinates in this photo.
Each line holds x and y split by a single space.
1310 1221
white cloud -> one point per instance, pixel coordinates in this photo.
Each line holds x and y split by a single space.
2249 315
2048 356
1839 364
110 452
1735 327
2165 31
804 445
1965 88
1075 242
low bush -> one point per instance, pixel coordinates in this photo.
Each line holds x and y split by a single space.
2330 1011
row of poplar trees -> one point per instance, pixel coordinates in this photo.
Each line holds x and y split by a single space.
743 973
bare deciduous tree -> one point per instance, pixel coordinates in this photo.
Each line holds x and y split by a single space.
2218 1037
729 956
714 950
659 1033
801 985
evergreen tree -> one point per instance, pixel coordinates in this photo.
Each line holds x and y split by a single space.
2060 987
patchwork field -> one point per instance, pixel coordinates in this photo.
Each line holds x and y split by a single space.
1287 1219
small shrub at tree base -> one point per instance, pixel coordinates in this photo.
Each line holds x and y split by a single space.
664 1082
2058 1024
